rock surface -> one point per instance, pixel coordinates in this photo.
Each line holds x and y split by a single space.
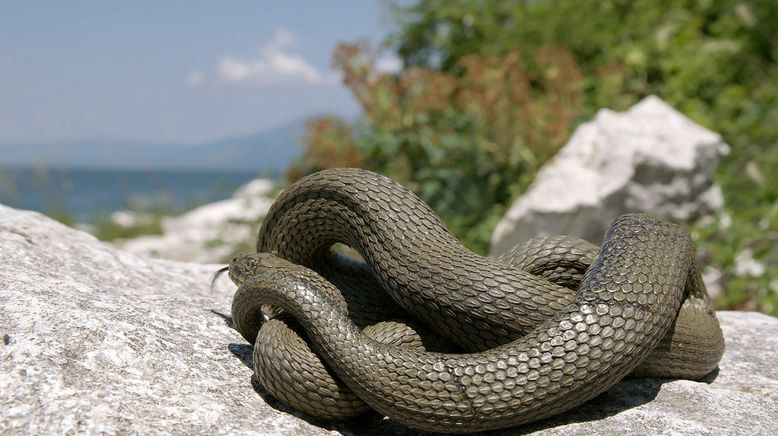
650 159
95 340
211 232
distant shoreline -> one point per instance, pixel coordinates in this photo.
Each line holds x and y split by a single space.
260 173
87 194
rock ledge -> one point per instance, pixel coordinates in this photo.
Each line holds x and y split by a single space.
100 340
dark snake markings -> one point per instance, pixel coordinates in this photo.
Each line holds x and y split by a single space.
548 326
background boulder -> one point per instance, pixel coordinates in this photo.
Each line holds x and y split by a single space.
211 232
649 159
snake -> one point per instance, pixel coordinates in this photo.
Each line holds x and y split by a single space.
536 332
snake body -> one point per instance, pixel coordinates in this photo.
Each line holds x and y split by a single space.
536 347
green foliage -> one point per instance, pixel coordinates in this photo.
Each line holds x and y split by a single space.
714 60
61 216
461 141
722 241
491 89
106 229
470 197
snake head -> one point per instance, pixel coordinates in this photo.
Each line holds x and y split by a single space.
246 265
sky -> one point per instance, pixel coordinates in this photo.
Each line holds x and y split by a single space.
174 71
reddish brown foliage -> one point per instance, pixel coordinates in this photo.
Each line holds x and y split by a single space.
525 110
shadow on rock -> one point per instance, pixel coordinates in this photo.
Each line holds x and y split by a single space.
226 318
627 394
245 353
711 377
370 423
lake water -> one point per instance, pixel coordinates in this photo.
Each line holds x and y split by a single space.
86 194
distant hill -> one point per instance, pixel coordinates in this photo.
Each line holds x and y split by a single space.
271 150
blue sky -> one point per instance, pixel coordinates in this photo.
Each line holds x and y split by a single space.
174 71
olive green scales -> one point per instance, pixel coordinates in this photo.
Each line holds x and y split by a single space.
548 326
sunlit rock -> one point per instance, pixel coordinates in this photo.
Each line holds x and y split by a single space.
650 159
99 340
211 232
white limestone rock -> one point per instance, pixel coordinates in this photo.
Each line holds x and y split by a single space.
650 159
255 188
99 340
208 233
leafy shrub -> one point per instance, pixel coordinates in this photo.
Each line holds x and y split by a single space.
491 89
467 143
106 229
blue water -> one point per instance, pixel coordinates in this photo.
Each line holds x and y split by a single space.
88 194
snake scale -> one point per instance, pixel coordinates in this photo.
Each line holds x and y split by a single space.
439 338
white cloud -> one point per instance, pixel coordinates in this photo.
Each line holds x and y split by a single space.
195 78
389 64
275 64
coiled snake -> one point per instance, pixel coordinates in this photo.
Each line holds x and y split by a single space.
548 326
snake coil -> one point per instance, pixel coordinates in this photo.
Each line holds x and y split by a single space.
548 326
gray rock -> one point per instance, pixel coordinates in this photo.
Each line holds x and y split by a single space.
95 340
210 232
650 159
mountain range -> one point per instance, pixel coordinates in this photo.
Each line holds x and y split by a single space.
270 150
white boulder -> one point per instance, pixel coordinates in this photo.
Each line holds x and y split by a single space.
211 232
649 159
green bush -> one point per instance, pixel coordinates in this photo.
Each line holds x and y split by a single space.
491 89
106 229
714 60
460 141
